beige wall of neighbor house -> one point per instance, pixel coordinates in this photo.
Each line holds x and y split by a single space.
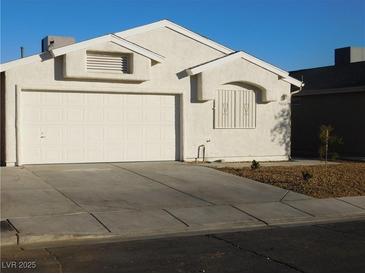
268 140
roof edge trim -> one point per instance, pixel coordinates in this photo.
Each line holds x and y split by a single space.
283 75
180 29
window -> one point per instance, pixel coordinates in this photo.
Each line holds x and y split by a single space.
235 109
107 62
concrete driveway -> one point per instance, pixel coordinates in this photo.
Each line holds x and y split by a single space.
140 198
58 189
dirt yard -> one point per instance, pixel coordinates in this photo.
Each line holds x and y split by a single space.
345 179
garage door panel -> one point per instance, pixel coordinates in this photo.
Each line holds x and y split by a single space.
167 134
95 154
31 98
31 115
152 133
73 99
74 154
74 115
113 115
73 136
168 116
133 116
113 100
113 153
51 135
97 127
52 154
94 115
52 99
153 116
95 135
94 100
133 152
114 135
52 115
33 135
153 151
134 134
133 100
32 154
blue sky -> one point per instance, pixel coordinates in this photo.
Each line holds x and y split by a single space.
291 34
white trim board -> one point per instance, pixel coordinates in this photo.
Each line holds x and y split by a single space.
109 38
240 54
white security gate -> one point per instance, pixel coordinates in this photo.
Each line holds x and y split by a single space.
69 127
235 109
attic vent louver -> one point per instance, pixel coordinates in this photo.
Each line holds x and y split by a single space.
107 62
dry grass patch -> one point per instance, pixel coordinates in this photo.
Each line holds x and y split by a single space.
345 179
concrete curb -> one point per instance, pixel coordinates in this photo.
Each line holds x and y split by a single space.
9 239
71 239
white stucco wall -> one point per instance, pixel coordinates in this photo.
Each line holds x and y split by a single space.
268 141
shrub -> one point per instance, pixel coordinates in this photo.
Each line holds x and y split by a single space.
307 175
255 165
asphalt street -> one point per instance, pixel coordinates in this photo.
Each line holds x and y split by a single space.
338 247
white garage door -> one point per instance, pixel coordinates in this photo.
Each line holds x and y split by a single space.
68 127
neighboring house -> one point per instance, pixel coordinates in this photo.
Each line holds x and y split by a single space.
333 95
155 92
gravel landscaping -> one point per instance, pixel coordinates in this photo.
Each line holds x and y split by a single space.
344 179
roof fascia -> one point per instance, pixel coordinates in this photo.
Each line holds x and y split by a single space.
141 29
237 55
138 49
21 61
108 38
281 73
177 28
293 81
220 61
345 90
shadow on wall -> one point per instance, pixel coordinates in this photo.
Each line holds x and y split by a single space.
194 89
280 133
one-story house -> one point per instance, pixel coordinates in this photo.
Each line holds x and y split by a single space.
151 93
333 95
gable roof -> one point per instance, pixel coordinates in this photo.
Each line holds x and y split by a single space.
120 38
240 54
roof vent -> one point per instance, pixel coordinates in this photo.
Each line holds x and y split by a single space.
53 42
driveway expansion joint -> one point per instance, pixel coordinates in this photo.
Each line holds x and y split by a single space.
56 189
12 225
158 182
347 202
175 217
286 193
266 223
100 222
301 210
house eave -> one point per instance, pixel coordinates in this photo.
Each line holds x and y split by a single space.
110 38
283 75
